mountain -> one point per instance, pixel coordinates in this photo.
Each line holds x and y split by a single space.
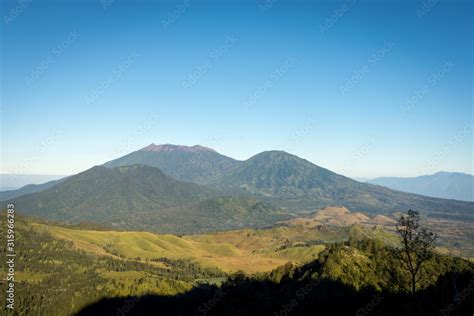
448 185
27 189
143 197
277 173
299 185
196 164
140 197
287 181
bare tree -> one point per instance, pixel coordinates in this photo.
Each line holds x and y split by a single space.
418 244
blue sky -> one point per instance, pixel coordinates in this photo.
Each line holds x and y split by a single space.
363 88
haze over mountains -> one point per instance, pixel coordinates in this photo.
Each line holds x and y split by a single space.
14 181
29 188
181 189
448 185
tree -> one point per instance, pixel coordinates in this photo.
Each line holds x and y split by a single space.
417 245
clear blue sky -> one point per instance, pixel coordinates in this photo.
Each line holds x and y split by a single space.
362 88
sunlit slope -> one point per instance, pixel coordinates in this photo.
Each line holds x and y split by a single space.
248 250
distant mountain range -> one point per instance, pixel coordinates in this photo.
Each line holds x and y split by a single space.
448 185
182 189
14 181
27 189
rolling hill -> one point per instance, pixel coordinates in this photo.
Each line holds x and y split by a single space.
447 185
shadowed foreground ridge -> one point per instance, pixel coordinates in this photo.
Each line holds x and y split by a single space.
451 295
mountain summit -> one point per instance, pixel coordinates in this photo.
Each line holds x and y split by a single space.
197 163
171 148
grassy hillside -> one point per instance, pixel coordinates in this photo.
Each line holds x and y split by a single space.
60 270
54 277
247 250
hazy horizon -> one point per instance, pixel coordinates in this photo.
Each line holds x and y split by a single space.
50 177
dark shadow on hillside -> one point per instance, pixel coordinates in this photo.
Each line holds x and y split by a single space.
451 295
